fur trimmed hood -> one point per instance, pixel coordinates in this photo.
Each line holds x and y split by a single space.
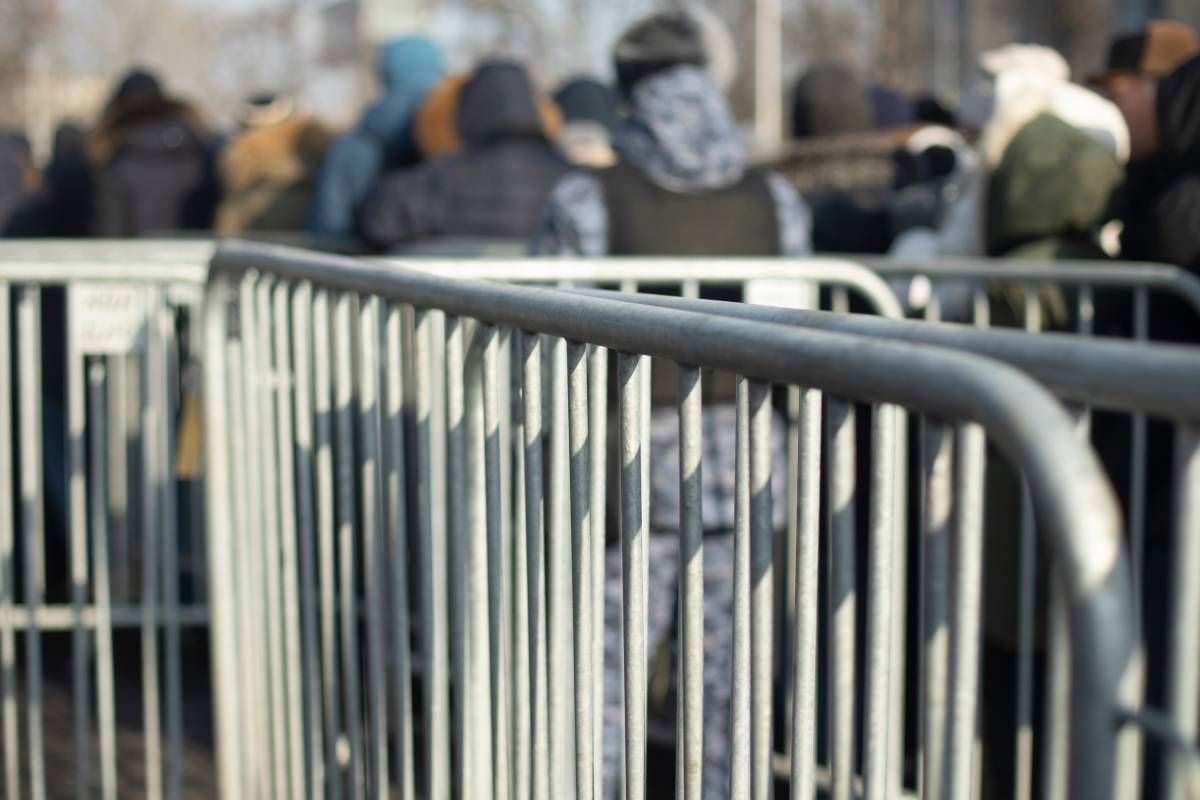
282 154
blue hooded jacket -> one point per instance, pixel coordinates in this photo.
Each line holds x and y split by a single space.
408 68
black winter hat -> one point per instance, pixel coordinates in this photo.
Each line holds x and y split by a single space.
588 100
658 42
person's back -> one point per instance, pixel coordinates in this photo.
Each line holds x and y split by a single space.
682 185
269 169
154 164
408 68
495 187
62 206
15 174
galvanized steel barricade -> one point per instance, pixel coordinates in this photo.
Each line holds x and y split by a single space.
925 287
1162 381
90 532
313 364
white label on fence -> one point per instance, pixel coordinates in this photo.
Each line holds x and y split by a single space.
781 292
107 317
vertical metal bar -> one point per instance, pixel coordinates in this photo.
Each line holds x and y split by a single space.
1137 466
255 604
878 655
740 704
8 649
842 596
167 381
501 387
938 451
298 733
535 566
634 532
1182 778
456 513
76 472
223 614
249 725
691 587
1057 707
104 656
301 336
494 445
558 577
967 611
477 694
151 491
29 383
433 557
323 394
581 578
118 473
981 315
1026 605
762 589
372 520
787 621
898 667
343 371
522 717
804 663
598 430
396 490
840 300
279 670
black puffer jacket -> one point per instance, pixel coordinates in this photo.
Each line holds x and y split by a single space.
495 188
155 170
1161 200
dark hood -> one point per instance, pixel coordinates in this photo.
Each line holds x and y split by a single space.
159 126
498 102
1179 117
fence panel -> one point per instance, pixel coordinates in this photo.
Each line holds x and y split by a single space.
1077 514
100 589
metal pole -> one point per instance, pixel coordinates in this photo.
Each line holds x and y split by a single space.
768 67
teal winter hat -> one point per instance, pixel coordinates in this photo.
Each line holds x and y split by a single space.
410 63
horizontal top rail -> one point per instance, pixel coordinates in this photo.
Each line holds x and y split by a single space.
838 272
66 260
1117 274
1159 379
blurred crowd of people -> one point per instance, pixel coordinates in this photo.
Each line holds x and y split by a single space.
1030 164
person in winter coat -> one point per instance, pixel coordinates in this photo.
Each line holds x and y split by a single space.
494 188
62 206
17 176
1162 197
268 170
436 125
681 187
154 163
408 68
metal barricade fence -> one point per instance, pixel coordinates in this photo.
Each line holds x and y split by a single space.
97 584
926 286
1087 374
313 365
